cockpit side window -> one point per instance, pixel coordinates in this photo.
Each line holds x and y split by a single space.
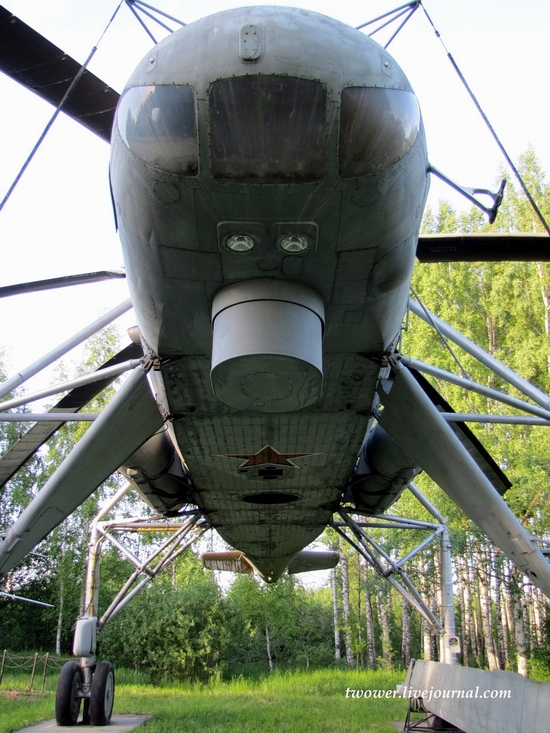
378 127
158 124
268 128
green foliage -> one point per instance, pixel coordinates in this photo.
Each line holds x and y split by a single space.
175 630
298 622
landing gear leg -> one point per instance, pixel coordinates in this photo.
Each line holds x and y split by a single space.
67 700
87 679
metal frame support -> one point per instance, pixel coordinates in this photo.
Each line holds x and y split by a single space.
481 355
429 722
97 376
472 386
408 9
183 531
469 193
17 379
144 8
391 568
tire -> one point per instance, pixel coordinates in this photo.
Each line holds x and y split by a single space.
67 702
103 694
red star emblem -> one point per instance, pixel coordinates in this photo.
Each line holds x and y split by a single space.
268 455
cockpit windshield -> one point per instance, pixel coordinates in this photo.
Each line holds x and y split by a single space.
377 128
268 128
158 124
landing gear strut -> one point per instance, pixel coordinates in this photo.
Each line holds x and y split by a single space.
87 679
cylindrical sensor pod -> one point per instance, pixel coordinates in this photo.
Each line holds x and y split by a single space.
267 345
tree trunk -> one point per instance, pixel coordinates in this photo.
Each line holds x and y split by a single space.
306 654
427 646
59 628
537 617
504 637
484 583
545 292
346 607
360 659
268 647
369 618
385 624
466 612
519 628
406 639
336 616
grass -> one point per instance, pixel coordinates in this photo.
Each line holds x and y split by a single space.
286 702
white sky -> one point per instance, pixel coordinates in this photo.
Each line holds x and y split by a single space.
59 220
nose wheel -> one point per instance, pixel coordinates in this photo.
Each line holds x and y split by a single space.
98 708
68 699
102 695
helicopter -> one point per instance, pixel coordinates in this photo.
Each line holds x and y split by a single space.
268 201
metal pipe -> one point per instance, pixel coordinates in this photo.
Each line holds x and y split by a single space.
48 416
426 503
114 501
17 379
27 600
494 394
160 12
389 525
419 522
417 604
124 551
385 15
498 419
96 376
122 600
92 572
359 533
365 552
481 355
419 547
411 595
113 609
411 418
163 563
119 596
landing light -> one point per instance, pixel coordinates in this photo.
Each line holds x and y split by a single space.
294 243
240 243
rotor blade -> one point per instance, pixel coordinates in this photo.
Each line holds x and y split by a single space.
32 60
61 282
129 419
484 247
416 425
29 443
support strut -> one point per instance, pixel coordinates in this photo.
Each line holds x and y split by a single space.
353 530
89 680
